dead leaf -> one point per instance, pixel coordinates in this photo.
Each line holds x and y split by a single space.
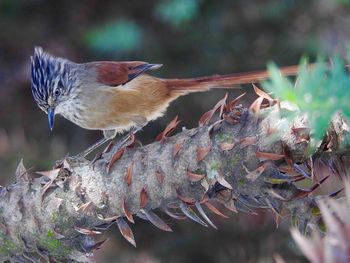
169 128
202 152
143 198
128 175
194 177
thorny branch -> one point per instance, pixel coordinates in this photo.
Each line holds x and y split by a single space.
249 159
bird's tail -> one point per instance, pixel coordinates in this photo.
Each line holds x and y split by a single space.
185 86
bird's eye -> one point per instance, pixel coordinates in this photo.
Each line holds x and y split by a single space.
57 92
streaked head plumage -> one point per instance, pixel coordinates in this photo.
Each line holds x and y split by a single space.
50 80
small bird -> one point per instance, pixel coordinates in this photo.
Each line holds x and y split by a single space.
115 96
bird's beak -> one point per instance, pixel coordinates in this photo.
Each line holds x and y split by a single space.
51 117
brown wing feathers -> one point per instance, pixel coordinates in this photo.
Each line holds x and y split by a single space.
118 73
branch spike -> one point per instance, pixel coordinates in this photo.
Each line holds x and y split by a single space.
191 214
177 147
269 156
212 208
173 215
157 221
206 117
143 198
128 175
126 231
115 158
159 176
127 213
194 177
202 152
203 214
168 129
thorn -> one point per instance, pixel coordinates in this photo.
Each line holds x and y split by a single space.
191 214
126 231
216 211
143 198
194 177
128 175
202 152
157 221
173 215
201 211
127 213
115 158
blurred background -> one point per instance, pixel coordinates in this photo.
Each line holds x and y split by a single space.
191 38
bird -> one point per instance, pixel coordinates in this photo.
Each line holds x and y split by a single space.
116 96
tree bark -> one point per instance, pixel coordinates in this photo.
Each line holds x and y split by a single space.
244 162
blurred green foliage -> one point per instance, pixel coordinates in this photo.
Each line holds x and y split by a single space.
177 12
320 91
115 37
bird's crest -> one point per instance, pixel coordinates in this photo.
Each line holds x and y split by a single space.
46 73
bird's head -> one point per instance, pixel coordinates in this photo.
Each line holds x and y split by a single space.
51 82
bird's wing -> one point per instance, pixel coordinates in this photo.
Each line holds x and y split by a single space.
118 73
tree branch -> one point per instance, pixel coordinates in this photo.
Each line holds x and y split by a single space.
242 162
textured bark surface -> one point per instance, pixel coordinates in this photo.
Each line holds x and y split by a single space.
235 163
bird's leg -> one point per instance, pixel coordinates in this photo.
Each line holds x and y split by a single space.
107 135
126 138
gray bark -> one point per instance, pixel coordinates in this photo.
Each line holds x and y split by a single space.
60 214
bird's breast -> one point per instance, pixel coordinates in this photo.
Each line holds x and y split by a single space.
120 108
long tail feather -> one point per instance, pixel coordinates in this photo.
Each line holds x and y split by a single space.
184 86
